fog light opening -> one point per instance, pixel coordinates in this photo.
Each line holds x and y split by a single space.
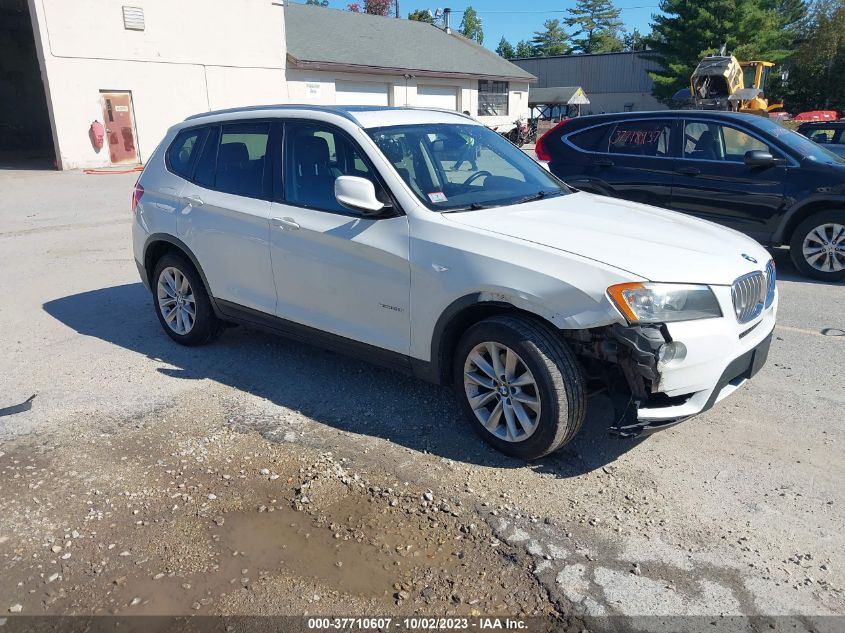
668 352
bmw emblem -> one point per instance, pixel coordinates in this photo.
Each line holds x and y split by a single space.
749 258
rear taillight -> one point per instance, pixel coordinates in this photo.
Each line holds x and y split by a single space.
540 148
137 192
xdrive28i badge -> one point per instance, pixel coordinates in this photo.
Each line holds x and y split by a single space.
749 258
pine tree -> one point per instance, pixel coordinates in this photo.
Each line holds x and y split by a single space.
523 49
685 31
598 25
553 41
505 49
471 25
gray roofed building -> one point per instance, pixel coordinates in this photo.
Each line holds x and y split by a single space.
324 38
613 81
339 57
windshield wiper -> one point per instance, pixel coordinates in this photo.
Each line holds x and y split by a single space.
535 196
475 206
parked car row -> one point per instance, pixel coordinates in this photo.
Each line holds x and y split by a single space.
743 171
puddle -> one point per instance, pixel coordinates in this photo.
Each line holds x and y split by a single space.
286 540
251 545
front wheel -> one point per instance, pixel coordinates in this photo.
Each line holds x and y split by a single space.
817 246
520 386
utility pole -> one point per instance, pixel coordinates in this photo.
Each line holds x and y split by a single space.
398 15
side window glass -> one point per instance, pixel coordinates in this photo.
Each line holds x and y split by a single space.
592 140
241 159
204 173
701 141
737 143
183 151
712 141
641 138
314 157
821 136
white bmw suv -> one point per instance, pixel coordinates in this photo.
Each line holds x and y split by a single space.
423 241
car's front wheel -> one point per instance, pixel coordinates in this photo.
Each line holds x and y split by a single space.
817 246
520 385
182 304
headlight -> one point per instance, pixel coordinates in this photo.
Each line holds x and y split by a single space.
664 303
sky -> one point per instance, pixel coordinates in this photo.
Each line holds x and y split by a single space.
518 19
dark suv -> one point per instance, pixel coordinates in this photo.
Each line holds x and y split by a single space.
740 170
831 134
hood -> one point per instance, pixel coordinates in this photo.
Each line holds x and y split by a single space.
652 243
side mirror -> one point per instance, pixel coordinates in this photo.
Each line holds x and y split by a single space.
358 194
759 158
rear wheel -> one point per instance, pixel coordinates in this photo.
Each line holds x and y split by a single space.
520 386
817 246
182 304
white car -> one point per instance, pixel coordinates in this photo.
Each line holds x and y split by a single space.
421 240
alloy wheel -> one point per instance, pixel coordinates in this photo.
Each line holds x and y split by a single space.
824 248
502 392
176 301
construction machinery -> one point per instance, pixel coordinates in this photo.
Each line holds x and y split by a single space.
721 82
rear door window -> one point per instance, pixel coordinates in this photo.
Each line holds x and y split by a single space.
182 153
234 160
592 140
241 159
204 173
641 138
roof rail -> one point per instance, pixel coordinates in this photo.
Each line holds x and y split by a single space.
276 107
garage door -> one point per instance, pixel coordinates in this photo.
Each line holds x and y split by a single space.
445 97
349 93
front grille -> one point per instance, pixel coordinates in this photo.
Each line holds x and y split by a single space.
749 296
771 282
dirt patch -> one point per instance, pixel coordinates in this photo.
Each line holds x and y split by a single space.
181 514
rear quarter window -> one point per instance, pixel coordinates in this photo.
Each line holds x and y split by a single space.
591 140
641 138
182 153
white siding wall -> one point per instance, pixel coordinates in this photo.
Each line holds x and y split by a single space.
318 87
189 59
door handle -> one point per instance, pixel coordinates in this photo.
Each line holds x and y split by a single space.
603 163
285 223
194 201
688 171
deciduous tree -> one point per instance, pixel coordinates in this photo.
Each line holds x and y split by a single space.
373 7
421 15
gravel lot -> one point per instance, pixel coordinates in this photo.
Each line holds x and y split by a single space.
233 478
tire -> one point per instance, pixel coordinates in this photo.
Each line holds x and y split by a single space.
205 325
558 384
829 225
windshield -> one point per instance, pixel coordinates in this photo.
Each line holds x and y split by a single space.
798 143
453 167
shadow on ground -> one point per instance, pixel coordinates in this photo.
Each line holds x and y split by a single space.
335 390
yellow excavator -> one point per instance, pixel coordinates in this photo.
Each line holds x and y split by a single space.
721 82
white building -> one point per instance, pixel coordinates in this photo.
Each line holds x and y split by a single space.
138 68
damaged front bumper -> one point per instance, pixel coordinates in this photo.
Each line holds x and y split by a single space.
660 375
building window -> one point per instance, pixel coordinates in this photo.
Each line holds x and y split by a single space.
492 98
